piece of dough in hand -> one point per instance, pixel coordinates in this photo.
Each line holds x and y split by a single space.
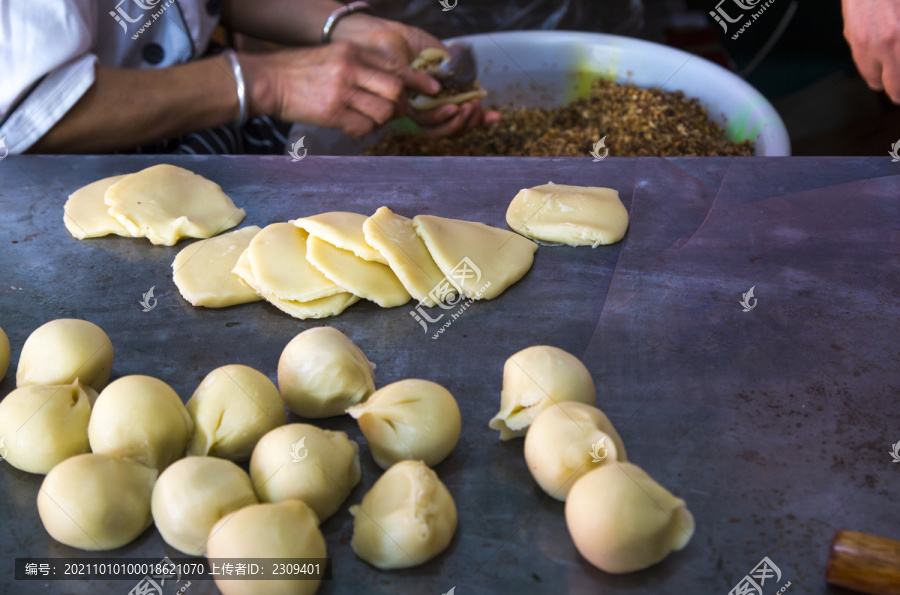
86 214
623 521
534 379
96 501
409 420
571 215
165 203
566 441
233 408
202 270
405 520
427 61
62 350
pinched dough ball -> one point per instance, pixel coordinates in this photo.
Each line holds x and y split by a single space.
43 425
566 441
63 350
96 501
303 462
622 521
232 409
287 530
4 354
534 379
141 418
321 373
409 419
192 494
406 519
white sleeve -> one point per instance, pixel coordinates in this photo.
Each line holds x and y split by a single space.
47 64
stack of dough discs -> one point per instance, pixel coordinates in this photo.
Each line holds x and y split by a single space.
342 230
285 531
41 426
202 270
406 519
96 501
4 354
534 379
165 203
63 350
233 408
572 215
303 462
87 216
141 418
192 495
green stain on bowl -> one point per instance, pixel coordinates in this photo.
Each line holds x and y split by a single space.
737 130
589 70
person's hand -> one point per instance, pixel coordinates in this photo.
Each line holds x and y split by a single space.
397 44
340 85
872 28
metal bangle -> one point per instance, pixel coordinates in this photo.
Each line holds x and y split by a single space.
339 13
241 91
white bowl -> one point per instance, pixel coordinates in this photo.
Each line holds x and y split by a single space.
552 68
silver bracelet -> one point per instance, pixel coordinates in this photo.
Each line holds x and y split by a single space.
239 79
339 13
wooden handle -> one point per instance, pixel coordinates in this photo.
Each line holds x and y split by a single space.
864 563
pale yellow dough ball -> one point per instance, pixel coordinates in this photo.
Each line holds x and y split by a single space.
286 530
409 420
233 408
406 519
63 350
192 494
303 462
566 441
4 354
534 379
623 521
96 501
321 372
141 418
40 426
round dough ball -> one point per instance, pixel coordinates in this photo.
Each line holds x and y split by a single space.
409 420
192 494
286 530
560 445
63 350
321 373
303 462
232 409
622 521
4 354
406 519
96 501
534 379
41 426
141 418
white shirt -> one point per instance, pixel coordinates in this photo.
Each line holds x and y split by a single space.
49 50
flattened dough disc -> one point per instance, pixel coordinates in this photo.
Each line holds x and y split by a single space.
165 203
87 216
572 215
502 257
320 308
341 229
395 238
371 280
202 270
278 258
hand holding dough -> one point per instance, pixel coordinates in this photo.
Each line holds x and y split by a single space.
565 441
202 270
65 349
96 501
429 61
286 531
192 494
141 418
303 462
405 520
572 215
233 408
409 419
622 521
534 379
321 372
